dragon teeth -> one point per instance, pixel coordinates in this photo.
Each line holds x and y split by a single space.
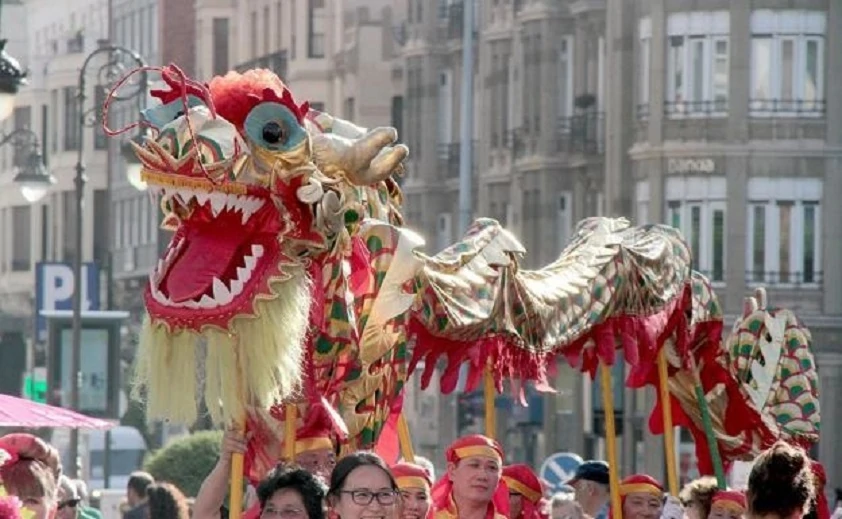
219 202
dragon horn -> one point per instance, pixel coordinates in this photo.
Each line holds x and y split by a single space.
760 295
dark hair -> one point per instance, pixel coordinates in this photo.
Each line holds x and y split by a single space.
284 477
781 482
699 491
352 462
139 482
166 502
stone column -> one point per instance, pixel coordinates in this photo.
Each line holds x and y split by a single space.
739 73
830 398
830 208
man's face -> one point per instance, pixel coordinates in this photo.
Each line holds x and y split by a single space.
475 478
318 462
640 505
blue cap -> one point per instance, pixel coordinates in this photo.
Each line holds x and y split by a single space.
591 470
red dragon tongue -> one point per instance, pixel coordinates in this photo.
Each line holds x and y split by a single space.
209 253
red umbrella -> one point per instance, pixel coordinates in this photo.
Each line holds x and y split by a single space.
19 412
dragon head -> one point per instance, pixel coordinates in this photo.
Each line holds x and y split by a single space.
252 192
769 355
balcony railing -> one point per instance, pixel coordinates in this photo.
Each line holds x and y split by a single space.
584 133
455 19
812 278
449 155
276 62
710 108
786 108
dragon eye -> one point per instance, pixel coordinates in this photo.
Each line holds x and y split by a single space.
274 133
273 126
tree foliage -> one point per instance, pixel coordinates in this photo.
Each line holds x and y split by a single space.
187 461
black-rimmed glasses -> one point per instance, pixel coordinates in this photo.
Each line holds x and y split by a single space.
365 497
72 503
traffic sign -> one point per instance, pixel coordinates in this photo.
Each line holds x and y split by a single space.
560 468
54 290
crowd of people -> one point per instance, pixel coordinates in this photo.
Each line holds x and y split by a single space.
317 484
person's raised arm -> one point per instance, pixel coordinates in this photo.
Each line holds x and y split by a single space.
214 488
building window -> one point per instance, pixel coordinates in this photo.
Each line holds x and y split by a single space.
349 110
101 226
784 221
645 34
220 46
279 28
564 219
397 116
445 107
565 77
253 35
316 29
54 106
68 224
697 63
21 238
267 24
696 206
787 63
71 119
22 117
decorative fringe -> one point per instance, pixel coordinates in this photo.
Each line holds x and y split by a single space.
257 363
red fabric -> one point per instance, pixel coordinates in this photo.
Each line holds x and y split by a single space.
523 474
822 508
388 445
234 95
253 512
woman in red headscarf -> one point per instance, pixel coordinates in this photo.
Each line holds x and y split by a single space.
728 504
415 485
526 496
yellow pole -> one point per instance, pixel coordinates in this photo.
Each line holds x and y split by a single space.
666 411
235 497
490 411
290 418
611 439
407 452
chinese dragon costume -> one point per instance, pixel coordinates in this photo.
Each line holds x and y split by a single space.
290 274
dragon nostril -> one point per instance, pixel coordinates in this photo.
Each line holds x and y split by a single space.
273 133
178 114
768 337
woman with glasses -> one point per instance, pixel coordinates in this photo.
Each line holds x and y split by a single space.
291 493
361 485
68 499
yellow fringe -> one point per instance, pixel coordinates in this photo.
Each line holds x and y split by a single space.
271 351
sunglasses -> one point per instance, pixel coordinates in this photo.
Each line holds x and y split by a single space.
72 503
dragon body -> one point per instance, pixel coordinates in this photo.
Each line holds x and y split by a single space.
760 382
290 275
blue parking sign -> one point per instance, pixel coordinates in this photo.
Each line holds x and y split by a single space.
54 290
560 468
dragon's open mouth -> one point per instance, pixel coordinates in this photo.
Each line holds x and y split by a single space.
221 250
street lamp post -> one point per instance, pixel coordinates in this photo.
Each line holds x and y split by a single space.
32 177
108 74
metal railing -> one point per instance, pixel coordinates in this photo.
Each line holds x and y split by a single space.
786 108
696 108
449 154
584 133
811 278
